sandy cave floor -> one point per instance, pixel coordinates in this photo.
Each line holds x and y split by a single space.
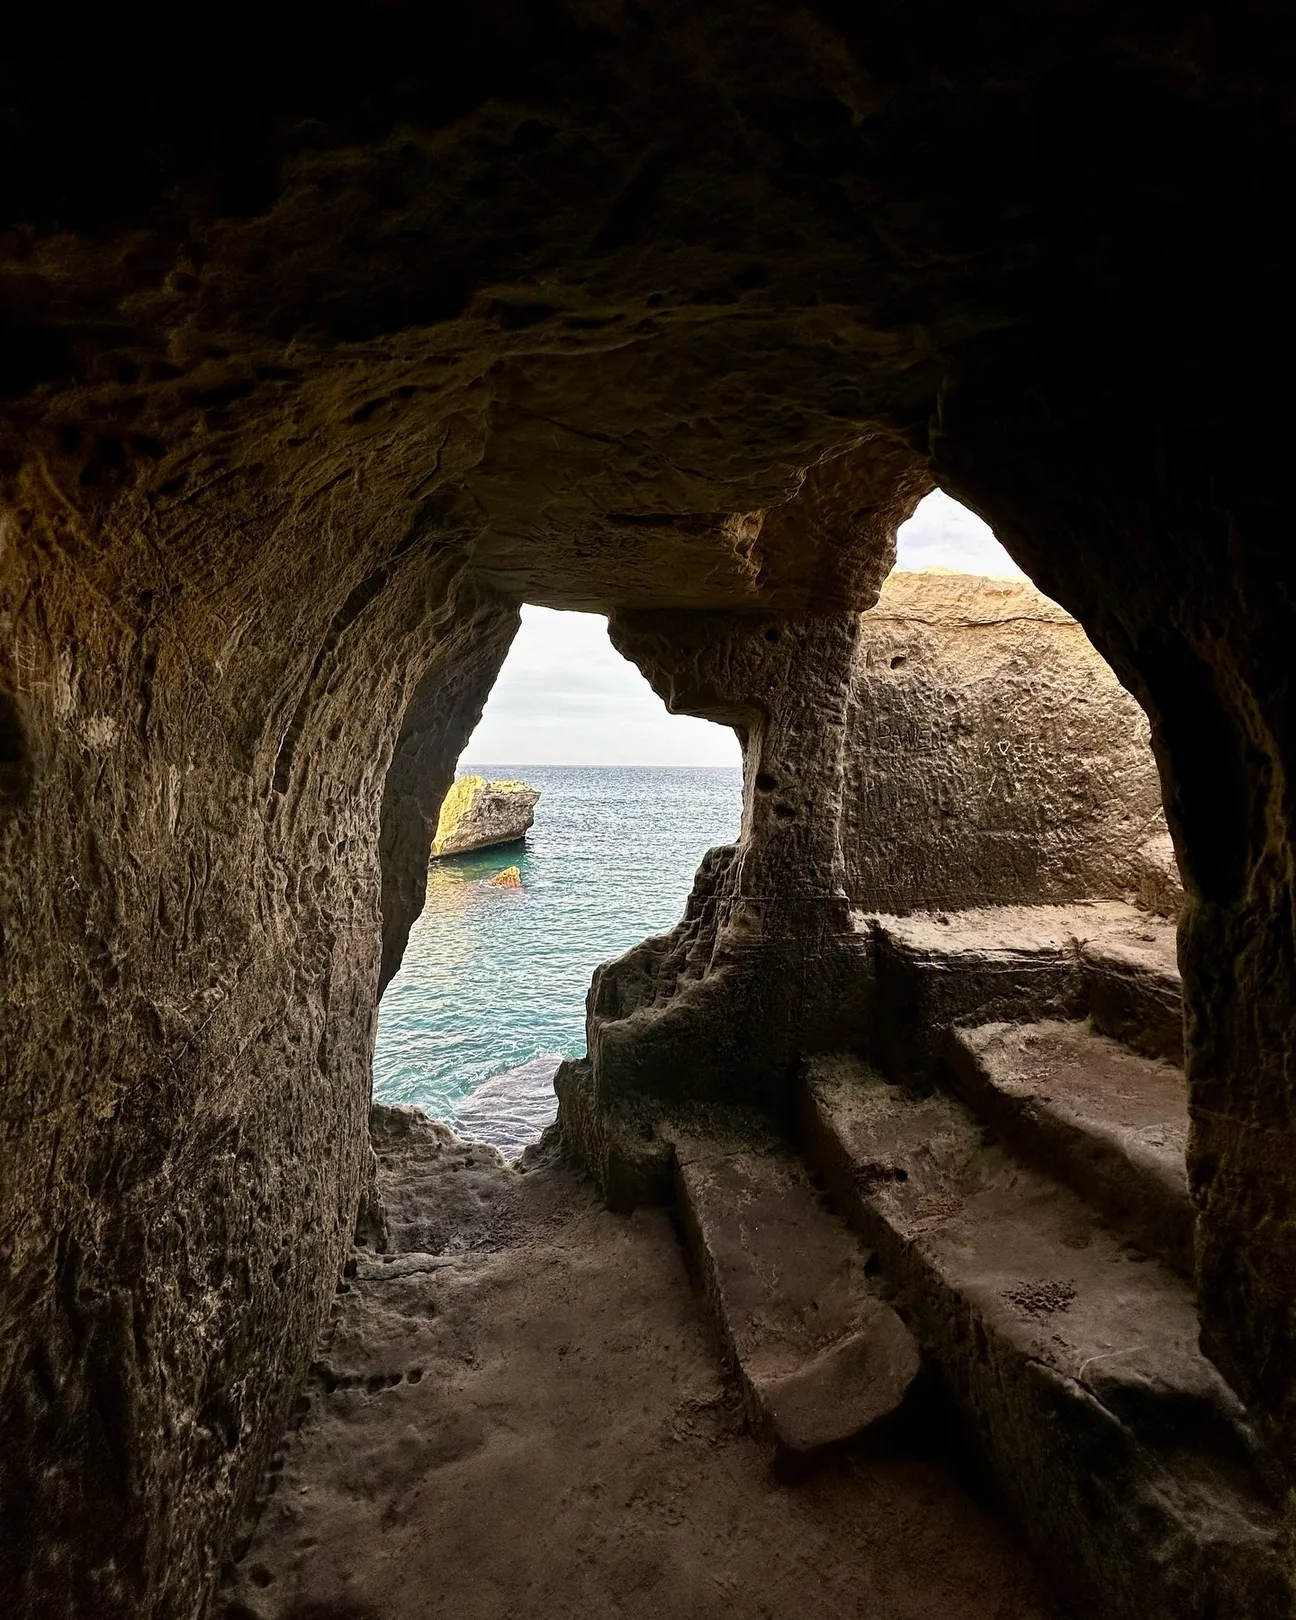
523 1412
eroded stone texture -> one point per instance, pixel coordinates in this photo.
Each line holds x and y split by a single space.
238 576
959 744
767 962
477 814
190 1006
188 1017
993 757
1109 1123
1183 578
311 347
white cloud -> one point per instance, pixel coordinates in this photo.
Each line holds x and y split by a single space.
565 696
943 534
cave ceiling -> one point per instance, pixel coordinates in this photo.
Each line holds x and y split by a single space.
586 289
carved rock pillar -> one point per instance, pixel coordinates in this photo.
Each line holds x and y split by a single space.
765 964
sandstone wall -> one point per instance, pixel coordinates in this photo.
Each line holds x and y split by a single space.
441 715
591 297
959 744
992 758
766 963
190 895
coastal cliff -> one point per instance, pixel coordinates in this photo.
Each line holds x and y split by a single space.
477 814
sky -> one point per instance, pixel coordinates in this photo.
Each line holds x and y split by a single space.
943 534
565 696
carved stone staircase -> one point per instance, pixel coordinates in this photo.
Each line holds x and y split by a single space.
1020 1185
819 1356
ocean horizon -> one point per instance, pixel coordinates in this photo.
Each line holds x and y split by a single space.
494 981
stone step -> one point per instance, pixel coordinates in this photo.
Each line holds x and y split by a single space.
1073 1358
1110 1124
819 1356
1133 991
1100 959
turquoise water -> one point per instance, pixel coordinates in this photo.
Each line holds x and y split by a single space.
495 978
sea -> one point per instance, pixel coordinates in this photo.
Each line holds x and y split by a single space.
490 996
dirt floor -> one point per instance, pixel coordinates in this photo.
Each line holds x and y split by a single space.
522 1412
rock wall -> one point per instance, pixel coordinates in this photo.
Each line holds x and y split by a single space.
441 716
334 346
190 892
992 756
1184 579
216 833
766 963
959 744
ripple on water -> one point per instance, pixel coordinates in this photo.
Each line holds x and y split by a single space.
511 1110
492 986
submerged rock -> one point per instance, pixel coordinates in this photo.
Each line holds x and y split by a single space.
476 814
509 878
511 1110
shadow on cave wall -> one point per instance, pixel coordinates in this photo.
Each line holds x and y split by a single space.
318 361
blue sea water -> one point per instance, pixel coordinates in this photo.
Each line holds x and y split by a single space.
495 979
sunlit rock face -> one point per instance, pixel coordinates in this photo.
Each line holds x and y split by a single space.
993 757
321 356
477 814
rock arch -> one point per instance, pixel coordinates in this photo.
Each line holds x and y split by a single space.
320 357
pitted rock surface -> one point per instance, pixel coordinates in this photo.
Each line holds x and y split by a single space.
993 759
477 814
322 354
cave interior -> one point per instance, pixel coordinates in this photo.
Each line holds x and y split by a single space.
317 359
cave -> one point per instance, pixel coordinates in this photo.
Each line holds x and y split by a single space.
580 813
322 350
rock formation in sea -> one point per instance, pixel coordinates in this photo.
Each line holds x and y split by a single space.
509 878
477 814
317 360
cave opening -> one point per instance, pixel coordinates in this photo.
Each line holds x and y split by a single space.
1003 821
1021 769
976 960
943 533
490 995
317 365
